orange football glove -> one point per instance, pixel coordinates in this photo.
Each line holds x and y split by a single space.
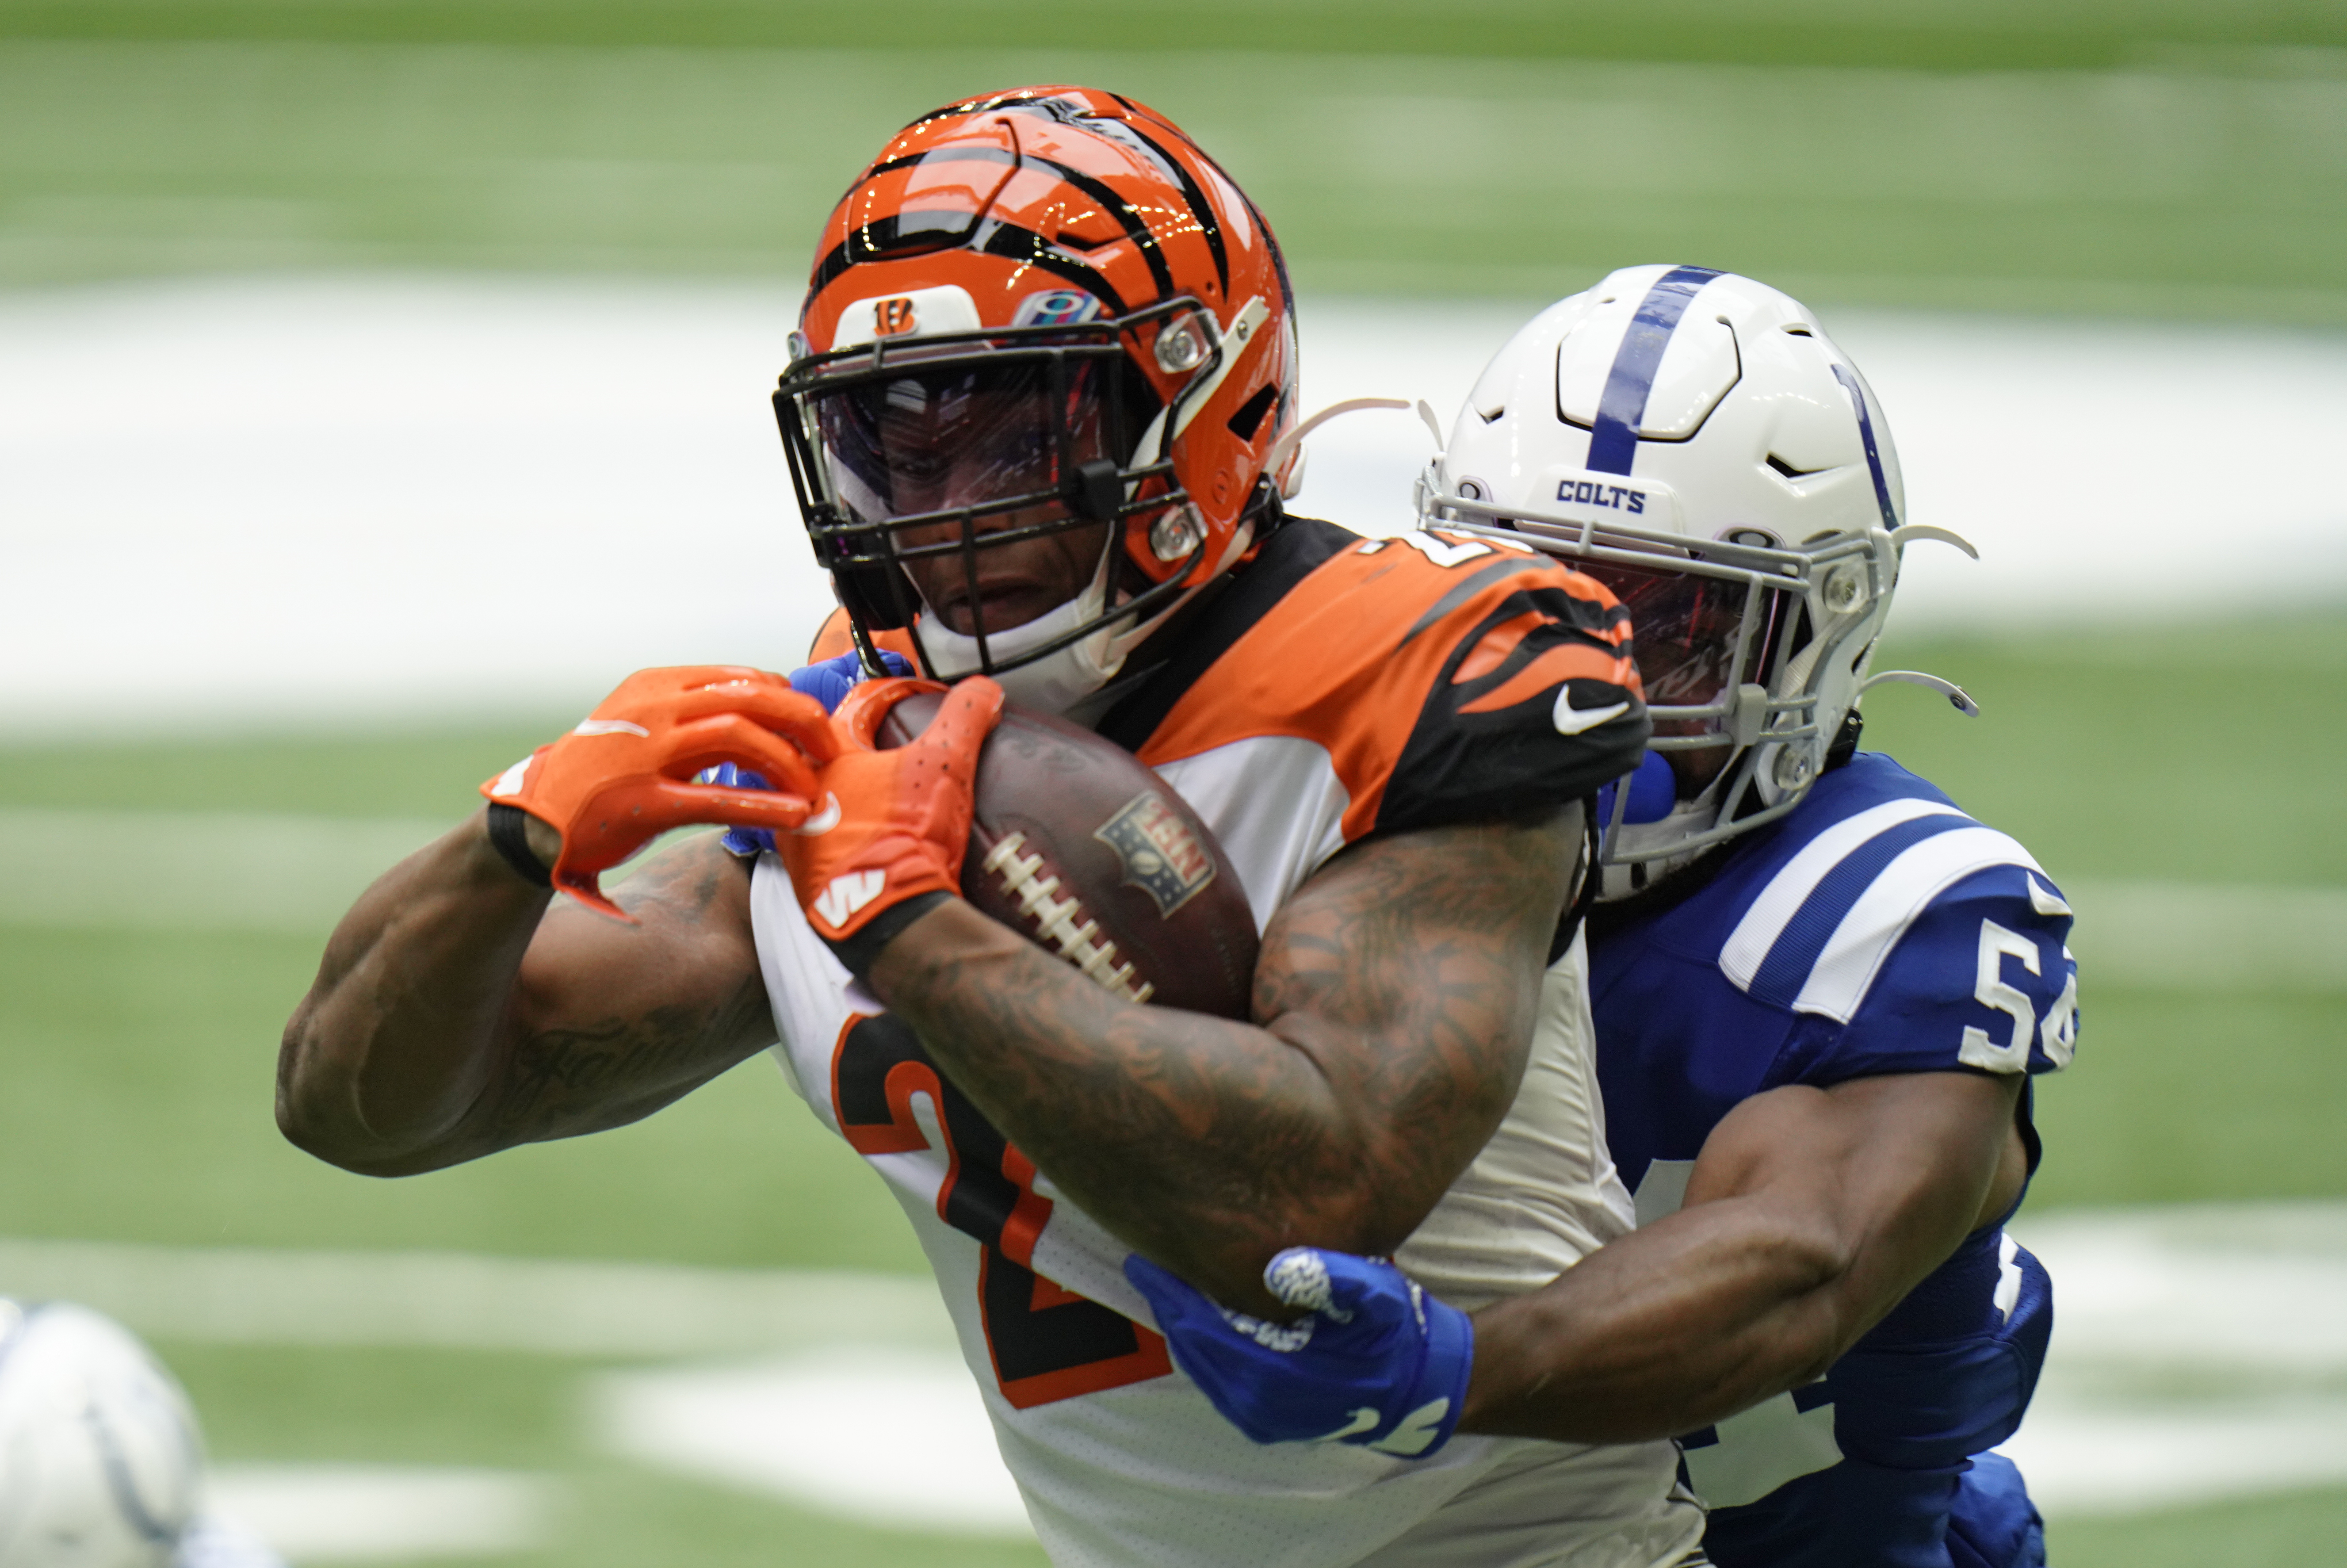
622 777
888 841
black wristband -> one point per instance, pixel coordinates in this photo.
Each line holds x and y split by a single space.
509 837
862 950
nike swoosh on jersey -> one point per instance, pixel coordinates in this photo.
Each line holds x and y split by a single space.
1572 721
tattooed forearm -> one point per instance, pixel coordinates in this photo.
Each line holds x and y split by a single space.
555 1074
561 1080
1394 1002
457 1014
568 1081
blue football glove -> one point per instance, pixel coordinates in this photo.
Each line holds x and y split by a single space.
1378 1363
828 681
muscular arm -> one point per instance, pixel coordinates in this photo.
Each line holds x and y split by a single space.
457 1014
1394 1002
1808 1215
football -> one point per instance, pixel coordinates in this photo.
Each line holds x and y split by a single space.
1077 846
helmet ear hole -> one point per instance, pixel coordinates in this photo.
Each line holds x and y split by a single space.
1249 417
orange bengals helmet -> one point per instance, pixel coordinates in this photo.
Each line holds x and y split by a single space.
1038 311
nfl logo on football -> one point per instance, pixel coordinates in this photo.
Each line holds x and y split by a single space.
1162 857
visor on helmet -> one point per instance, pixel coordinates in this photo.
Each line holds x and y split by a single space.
960 438
1696 637
957 444
1686 629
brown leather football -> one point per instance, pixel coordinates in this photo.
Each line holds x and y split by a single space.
1076 844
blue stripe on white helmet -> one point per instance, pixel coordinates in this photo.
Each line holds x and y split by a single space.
1696 439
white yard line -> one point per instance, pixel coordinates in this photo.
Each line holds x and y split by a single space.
2199 1353
409 495
465 1301
249 871
230 871
885 1436
381 1513
183 870
2192 936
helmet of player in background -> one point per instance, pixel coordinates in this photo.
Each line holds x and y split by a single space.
1693 440
1038 311
100 1463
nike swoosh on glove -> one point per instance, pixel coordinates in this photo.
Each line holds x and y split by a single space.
1377 1362
886 841
828 681
624 776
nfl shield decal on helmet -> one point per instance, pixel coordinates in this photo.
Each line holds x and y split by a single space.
1161 855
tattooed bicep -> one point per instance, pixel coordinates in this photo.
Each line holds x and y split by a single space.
1505 880
1435 938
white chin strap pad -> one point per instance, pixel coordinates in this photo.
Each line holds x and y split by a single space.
1056 682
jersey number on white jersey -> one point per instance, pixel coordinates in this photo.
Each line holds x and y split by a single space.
1047 1343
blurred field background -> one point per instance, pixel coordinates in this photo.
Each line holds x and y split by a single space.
2178 165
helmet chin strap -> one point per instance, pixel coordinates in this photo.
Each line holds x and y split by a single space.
1052 682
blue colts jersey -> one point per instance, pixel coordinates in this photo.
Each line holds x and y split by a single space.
1874 929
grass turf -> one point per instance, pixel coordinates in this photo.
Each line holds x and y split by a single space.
1933 34
140 1067
2085 752
2082 752
2188 182
2204 751
522 1413
2279 1532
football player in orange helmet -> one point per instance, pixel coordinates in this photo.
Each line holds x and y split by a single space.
1047 323
1039 414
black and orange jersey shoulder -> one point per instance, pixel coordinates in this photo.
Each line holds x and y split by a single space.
1449 678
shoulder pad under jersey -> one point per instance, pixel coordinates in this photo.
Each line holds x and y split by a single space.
1448 678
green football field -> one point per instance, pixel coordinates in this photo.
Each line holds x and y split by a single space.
2169 157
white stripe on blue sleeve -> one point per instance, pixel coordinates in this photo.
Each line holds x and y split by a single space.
1905 888
1765 921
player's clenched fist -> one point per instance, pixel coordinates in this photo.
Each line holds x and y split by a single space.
1376 1362
624 776
887 837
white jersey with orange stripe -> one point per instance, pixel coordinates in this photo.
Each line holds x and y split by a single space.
1339 687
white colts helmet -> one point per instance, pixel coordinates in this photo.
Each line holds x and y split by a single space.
100 1466
1693 440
